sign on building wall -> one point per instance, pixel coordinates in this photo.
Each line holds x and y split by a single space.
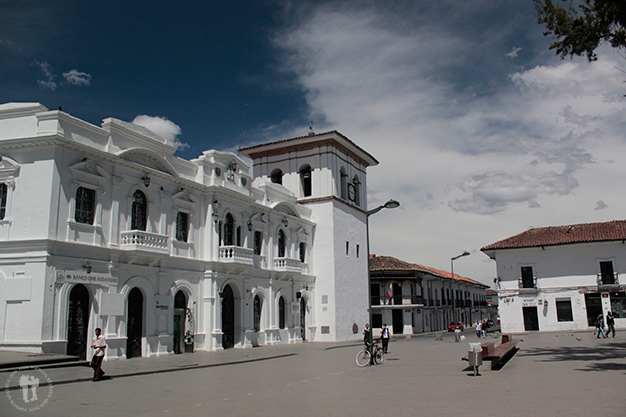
80 277
529 302
162 304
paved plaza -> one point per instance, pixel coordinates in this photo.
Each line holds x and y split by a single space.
553 374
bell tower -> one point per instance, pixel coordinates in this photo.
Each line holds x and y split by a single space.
327 173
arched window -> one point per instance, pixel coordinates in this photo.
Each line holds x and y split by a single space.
281 244
344 183
281 313
305 179
277 176
258 304
357 190
85 204
229 230
139 211
238 236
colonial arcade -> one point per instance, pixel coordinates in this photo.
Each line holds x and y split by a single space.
103 226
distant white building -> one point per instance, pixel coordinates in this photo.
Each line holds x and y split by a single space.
102 226
561 277
412 298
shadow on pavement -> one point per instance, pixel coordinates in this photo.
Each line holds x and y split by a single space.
595 356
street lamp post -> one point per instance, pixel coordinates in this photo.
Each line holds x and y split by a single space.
391 204
466 253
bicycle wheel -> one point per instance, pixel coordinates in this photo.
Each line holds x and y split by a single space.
363 358
379 356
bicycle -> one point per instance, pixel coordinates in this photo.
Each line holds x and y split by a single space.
365 356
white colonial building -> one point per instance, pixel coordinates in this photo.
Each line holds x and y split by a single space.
561 277
412 298
102 226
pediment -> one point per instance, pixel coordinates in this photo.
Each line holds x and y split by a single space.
184 199
148 158
286 208
88 170
8 167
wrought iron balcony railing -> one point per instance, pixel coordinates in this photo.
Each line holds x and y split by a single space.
608 279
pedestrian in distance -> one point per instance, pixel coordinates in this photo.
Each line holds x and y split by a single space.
384 336
610 323
479 328
99 344
600 327
484 328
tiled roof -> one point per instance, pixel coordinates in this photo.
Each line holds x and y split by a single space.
294 139
391 264
563 235
249 151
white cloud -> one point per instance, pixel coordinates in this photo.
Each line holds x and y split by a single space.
49 82
467 163
163 127
513 53
75 77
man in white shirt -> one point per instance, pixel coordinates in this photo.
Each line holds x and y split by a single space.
99 344
385 336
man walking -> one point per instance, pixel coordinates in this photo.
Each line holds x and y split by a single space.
99 344
610 322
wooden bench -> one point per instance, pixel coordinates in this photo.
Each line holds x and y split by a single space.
497 353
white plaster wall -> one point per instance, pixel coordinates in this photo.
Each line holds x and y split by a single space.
561 272
343 278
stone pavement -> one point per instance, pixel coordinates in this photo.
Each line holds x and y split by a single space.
555 374
59 371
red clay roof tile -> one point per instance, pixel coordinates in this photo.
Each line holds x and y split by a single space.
563 235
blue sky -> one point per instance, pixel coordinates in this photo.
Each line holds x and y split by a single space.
480 130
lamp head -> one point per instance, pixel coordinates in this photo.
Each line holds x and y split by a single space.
392 204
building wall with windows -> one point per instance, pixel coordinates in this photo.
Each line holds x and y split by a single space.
561 277
103 226
411 298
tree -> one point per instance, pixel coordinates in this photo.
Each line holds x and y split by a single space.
599 22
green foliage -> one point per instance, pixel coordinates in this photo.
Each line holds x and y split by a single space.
581 26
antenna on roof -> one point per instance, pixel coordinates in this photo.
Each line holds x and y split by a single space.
242 126
311 132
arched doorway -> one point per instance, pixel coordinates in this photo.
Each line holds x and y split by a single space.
134 323
228 317
180 313
303 318
258 305
78 321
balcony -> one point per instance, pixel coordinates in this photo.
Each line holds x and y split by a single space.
287 265
604 280
527 285
144 241
236 254
403 300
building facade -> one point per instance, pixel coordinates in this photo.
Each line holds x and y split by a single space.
103 226
412 298
560 277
